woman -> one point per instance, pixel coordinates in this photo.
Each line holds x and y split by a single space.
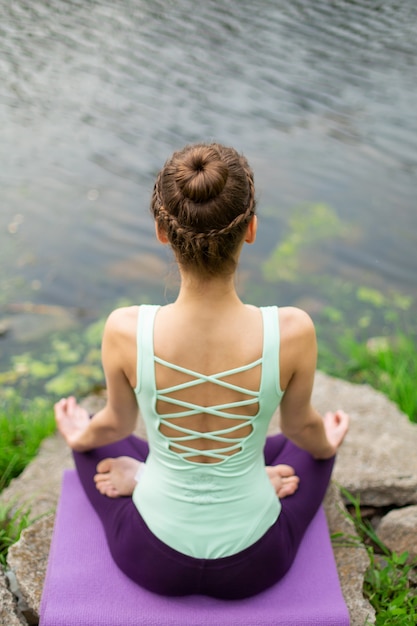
212 506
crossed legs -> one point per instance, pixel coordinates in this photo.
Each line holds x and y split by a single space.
159 568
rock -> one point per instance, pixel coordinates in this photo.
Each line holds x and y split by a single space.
37 487
370 465
398 530
378 460
28 560
8 606
5 327
23 610
95 403
351 558
31 323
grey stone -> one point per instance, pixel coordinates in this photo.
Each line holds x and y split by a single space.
23 610
351 558
28 560
378 459
5 326
398 530
31 322
8 605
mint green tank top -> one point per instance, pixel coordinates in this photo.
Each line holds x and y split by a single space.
207 510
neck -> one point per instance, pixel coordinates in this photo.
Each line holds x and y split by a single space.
204 292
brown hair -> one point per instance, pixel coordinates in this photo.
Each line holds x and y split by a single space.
203 199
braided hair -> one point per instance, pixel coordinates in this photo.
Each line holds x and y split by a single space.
204 199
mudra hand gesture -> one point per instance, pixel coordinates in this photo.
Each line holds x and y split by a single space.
72 420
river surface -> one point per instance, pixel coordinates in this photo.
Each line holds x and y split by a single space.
94 95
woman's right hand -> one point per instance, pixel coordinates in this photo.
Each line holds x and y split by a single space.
72 421
336 425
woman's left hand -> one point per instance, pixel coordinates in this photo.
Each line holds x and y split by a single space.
336 425
72 420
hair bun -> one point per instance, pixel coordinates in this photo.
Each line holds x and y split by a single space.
202 176
203 199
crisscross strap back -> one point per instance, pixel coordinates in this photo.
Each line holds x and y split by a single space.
229 436
184 491
221 435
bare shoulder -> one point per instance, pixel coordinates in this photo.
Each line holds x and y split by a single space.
122 322
298 344
119 343
295 322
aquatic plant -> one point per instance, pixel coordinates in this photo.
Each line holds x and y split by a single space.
67 362
308 225
390 582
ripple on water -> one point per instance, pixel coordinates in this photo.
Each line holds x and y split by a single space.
94 96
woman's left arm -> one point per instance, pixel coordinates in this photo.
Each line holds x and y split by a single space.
118 418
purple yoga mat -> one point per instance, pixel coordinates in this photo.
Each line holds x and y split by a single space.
83 587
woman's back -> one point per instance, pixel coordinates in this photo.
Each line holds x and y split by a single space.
226 483
219 341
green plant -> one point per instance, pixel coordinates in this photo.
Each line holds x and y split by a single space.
23 425
390 366
308 226
390 580
12 523
387 364
389 589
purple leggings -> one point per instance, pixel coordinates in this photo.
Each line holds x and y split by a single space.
161 569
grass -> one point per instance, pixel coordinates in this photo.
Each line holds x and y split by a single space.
12 523
391 580
23 425
389 365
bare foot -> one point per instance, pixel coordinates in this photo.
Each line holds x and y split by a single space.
117 477
283 479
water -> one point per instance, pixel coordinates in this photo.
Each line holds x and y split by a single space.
94 95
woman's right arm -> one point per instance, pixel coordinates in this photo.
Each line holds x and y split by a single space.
118 418
300 422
